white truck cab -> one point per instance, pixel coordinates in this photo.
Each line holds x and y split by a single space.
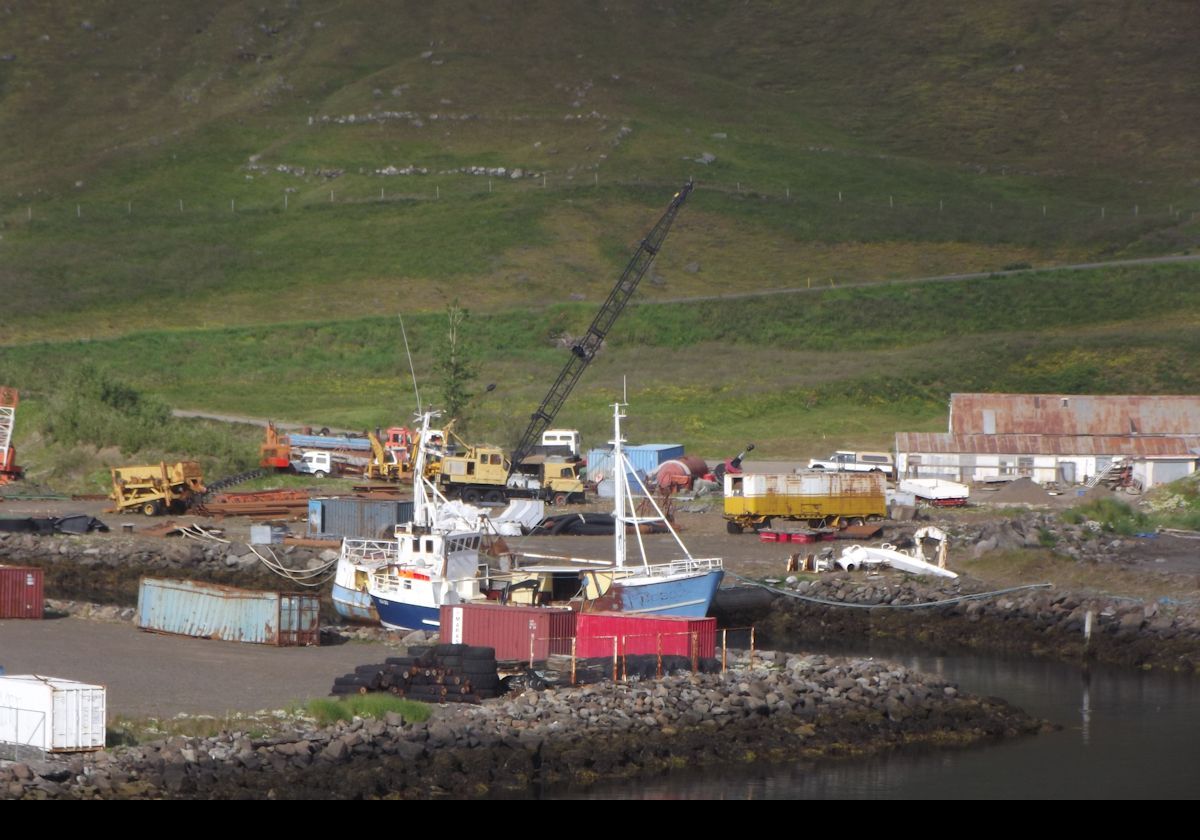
568 438
849 461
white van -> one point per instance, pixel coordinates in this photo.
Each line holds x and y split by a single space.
315 463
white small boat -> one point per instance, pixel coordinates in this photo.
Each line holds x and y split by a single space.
862 556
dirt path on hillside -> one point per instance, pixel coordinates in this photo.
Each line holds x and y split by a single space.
942 278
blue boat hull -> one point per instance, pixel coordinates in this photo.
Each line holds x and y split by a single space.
398 616
689 596
354 605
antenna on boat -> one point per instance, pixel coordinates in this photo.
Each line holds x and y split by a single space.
624 390
411 369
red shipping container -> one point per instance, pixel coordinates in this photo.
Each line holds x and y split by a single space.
21 592
638 634
509 629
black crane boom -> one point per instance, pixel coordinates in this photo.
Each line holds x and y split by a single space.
585 349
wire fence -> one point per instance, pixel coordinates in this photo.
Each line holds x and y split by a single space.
690 645
955 216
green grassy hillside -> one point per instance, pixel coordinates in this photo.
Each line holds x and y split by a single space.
147 151
225 206
798 374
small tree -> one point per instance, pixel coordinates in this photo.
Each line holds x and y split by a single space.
455 366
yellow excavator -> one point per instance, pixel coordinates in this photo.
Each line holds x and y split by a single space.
390 463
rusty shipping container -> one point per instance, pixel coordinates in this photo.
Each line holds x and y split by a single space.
638 634
358 519
209 611
815 496
513 631
21 592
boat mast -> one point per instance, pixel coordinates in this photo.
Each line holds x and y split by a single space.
421 502
619 489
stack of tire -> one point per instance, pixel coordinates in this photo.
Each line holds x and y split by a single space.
438 674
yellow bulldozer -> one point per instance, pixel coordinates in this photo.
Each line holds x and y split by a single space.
158 488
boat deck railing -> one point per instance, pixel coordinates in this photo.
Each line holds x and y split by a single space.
683 566
369 552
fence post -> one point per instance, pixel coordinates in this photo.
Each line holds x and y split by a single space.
751 644
531 648
695 651
614 659
658 640
724 649
573 660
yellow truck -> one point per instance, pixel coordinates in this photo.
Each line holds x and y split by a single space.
817 498
481 473
157 488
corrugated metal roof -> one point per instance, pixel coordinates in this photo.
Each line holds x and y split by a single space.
1073 414
1172 446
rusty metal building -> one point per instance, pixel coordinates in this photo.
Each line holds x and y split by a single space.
1064 438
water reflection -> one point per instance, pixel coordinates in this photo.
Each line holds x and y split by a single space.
1124 734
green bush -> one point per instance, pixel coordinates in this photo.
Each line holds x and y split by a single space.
1114 516
327 711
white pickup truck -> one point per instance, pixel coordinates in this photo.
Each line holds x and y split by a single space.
847 461
321 464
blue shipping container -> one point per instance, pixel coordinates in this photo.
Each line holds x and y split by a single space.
210 611
645 457
648 456
358 519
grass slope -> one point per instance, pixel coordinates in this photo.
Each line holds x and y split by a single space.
798 374
147 152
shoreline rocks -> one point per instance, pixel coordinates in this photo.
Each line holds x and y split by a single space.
782 708
1043 622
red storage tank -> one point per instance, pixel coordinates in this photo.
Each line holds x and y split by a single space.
679 473
20 592
509 629
642 634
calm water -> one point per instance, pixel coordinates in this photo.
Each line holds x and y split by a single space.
1125 734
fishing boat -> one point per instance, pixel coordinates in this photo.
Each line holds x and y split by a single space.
436 560
433 560
683 587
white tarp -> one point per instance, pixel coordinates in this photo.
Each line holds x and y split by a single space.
455 515
520 517
935 488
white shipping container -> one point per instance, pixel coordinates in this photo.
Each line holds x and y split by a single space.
51 714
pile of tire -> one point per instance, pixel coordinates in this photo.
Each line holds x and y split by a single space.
438 674
587 525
